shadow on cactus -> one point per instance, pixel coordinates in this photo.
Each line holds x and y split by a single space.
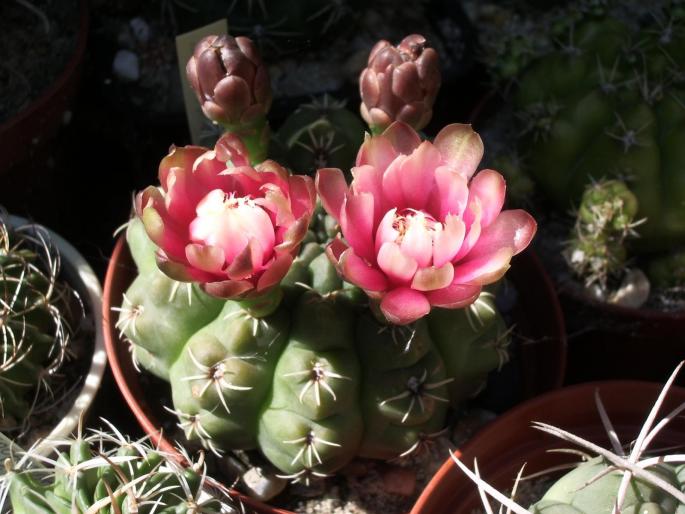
106 472
602 97
41 316
626 479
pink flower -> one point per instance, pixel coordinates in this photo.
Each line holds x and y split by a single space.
219 221
420 228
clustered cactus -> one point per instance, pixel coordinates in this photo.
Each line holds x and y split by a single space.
106 473
625 479
37 323
596 251
279 334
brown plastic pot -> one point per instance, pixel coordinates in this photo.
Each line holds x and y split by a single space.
538 317
508 442
31 127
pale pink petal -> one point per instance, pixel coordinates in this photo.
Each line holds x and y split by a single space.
489 186
179 157
403 138
356 222
483 269
448 241
450 193
247 262
205 257
392 184
367 179
274 272
432 278
357 271
386 231
512 229
461 148
417 174
399 268
454 296
302 195
403 305
417 242
472 221
331 186
376 151
228 289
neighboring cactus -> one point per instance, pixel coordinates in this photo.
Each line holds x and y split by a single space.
625 480
596 251
317 382
613 98
105 473
38 320
320 134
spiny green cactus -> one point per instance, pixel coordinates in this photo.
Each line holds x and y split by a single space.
35 311
316 382
320 134
610 102
591 488
596 250
106 473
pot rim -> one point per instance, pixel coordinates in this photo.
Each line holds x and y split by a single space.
88 282
512 418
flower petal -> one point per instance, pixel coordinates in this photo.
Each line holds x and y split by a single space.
512 229
227 288
356 270
377 151
417 174
386 231
403 138
274 272
356 222
454 296
331 186
450 193
399 268
367 179
483 269
205 257
489 186
418 242
302 195
448 241
431 278
461 148
404 305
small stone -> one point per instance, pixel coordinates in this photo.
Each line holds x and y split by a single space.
126 66
399 481
140 30
634 290
262 485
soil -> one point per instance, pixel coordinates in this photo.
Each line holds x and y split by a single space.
38 39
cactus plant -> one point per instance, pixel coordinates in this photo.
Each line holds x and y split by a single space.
320 134
608 101
106 473
312 348
38 322
625 479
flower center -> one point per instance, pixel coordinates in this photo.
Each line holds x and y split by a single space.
412 219
231 222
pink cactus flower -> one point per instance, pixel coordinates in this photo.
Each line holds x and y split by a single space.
220 222
420 227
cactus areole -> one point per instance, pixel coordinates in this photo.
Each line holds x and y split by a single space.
240 301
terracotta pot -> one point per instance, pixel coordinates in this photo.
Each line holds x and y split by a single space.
31 127
537 314
508 442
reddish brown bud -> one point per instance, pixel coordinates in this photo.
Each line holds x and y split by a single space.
400 83
230 80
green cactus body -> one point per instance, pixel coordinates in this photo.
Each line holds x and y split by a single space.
107 475
582 492
610 111
35 334
320 134
319 380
